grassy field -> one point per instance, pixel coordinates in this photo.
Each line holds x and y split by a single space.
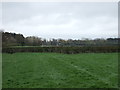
54 70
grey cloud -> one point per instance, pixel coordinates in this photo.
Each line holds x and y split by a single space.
15 11
65 20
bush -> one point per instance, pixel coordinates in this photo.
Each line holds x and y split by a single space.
67 50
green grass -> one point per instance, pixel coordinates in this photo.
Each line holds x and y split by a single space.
54 70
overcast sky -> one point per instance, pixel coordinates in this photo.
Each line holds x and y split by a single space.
61 20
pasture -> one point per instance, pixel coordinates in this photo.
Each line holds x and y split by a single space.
55 70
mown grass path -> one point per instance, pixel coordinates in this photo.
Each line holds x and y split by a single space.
53 70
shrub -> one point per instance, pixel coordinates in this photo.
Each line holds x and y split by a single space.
67 50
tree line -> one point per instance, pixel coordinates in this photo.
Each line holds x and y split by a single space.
12 42
13 39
